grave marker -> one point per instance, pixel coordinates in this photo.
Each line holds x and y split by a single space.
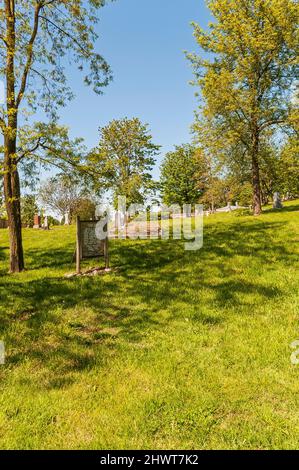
88 245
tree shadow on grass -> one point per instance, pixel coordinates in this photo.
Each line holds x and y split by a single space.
69 325
288 208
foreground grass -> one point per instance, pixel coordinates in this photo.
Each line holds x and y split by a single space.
176 349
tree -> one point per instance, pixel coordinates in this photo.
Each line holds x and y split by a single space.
246 83
124 157
28 209
37 38
85 208
214 195
62 195
182 175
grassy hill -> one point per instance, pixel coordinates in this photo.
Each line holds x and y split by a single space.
174 349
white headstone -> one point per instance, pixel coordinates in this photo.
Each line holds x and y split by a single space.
67 219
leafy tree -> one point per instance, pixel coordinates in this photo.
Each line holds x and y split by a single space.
52 220
62 195
247 80
85 208
182 175
29 208
215 194
124 157
37 39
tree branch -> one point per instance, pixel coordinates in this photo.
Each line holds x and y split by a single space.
271 123
38 7
86 52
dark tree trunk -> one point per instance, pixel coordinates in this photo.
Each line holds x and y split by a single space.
257 203
13 208
256 183
11 176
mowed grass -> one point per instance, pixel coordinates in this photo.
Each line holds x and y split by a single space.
174 350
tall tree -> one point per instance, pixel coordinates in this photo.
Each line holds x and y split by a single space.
124 157
246 81
37 39
183 173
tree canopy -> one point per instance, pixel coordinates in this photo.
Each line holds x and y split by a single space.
246 80
183 175
124 158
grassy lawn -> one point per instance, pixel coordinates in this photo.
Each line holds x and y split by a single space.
175 349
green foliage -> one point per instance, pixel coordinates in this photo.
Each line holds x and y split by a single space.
65 36
63 194
288 168
124 158
85 209
29 208
53 221
248 81
133 359
182 175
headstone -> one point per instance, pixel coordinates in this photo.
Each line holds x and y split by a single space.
277 204
67 219
36 221
46 223
88 244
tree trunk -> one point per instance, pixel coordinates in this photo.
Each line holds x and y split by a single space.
13 207
256 183
11 179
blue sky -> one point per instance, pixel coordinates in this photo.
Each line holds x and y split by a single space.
144 43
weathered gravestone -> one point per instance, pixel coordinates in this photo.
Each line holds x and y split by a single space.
88 245
277 204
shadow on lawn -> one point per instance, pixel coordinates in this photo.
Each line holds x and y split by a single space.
289 208
123 306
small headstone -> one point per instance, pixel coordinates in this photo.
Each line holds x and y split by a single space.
277 204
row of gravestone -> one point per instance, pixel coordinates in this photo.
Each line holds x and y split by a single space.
277 204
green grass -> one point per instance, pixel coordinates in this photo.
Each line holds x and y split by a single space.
176 349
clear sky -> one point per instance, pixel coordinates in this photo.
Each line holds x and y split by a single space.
144 43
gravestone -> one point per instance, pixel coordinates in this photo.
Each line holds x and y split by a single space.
277 204
37 221
88 245
46 223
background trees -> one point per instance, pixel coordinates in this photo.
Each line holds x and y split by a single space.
247 83
66 197
124 158
183 175
38 38
29 208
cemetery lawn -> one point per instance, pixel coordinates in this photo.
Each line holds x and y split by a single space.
174 350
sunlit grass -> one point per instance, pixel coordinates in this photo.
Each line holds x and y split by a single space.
174 349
